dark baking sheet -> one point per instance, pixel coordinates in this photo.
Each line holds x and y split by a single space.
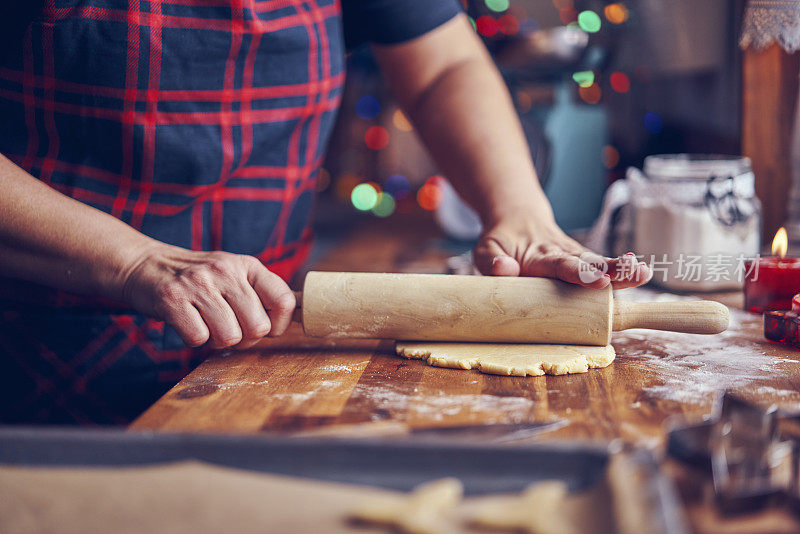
396 465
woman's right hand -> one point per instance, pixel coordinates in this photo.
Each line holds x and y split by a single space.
216 297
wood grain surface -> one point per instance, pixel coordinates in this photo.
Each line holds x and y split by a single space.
769 96
435 307
296 384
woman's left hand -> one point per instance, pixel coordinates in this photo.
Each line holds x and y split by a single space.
535 248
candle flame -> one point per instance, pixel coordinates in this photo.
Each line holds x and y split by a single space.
781 243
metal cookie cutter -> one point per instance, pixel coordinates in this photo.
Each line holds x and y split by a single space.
752 454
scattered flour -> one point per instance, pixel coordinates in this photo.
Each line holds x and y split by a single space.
293 397
320 387
242 383
768 390
385 397
692 368
437 406
339 368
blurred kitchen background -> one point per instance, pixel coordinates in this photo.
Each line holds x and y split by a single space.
598 86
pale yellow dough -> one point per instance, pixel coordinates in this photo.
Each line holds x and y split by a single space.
538 510
426 510
511 359
543 508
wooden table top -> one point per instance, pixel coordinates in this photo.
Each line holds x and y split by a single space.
296 383
353 388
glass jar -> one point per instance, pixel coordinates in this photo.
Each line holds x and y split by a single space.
696 220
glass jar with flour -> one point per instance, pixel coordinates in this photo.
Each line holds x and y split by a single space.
695 219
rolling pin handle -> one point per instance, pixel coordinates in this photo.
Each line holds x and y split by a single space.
691 317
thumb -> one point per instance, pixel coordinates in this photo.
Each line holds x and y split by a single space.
492 260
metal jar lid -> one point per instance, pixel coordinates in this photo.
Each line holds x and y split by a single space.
695 166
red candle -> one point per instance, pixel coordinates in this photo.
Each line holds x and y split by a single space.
771 284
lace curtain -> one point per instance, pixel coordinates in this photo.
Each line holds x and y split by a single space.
771 21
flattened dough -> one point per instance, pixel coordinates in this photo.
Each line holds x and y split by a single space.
511 359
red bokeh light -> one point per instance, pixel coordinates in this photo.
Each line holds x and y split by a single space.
620 82
591 94
508 24
429 196
376 138
487 26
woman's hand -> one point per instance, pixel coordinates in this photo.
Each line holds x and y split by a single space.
217 297
535 248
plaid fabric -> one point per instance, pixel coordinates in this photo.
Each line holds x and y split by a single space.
67 367
199 122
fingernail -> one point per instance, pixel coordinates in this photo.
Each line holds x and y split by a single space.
593 276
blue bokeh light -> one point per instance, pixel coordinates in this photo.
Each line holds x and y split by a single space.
368 107
653 122
397 185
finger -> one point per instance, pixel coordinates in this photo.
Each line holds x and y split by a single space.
492 260
189 325
570 246
503 265
627 271
220 319
275 296
600 262
250 312
623 267
643 274
567 268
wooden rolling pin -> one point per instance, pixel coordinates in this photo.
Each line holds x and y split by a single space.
435 307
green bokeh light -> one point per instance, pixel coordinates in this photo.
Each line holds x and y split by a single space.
364 197
584 78
589 21
385 205
497 5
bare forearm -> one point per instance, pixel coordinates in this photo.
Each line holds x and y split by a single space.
490 162
464 113
216 297
449 85
49 238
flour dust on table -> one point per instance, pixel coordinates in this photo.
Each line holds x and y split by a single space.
692 369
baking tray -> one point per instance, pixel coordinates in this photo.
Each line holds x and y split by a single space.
398 465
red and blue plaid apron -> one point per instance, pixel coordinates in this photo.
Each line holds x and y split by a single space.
200 123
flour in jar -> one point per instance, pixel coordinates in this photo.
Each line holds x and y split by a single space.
696 219
689 249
